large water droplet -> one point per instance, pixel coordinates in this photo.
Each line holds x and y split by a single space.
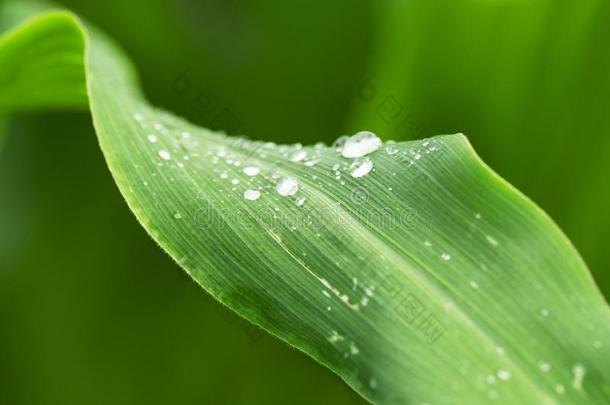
362 167
252 194
287 187
360 145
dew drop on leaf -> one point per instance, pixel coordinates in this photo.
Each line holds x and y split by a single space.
544 366
298 156
251 170
504 375
165 155
287 187
360 145
252 194
362 168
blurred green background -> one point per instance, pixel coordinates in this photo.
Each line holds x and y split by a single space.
93 312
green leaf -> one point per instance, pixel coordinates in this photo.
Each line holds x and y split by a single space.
426 279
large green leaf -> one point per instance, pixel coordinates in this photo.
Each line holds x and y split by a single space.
427 279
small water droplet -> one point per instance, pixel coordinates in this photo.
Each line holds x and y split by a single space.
579 374
446 257
235 181
177 215
360 145
491 240
151 138
544 312
298 156
474 284
252 194
165 155
544 366
390 148
300 201
287 186
252 170
312 162
503 374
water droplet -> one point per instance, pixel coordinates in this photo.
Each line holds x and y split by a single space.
360 145
544 366
300 201
235 181
474 284
287 186
579 374
491 240
390 148
312 162
544 312
446 257
151 138
340 142
177 215
373 383
503 374
252 170
165 155
500 350
362 168
252 194
298 156
138 117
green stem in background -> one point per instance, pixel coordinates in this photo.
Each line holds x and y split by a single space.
414 272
